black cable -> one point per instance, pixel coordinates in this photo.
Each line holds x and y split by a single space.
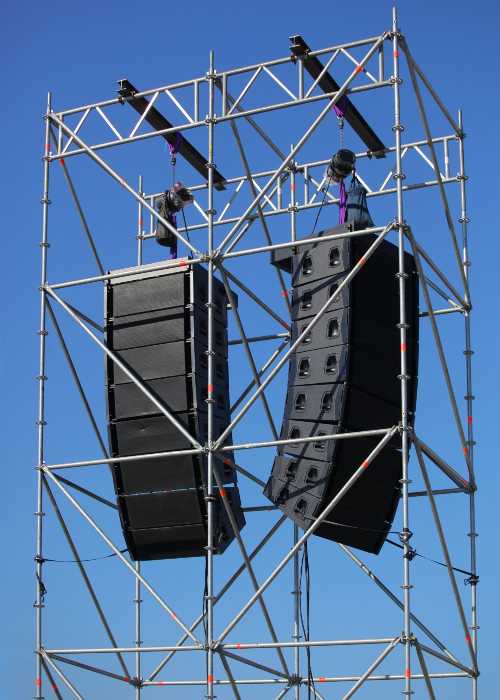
306 626
413 553
190 254
322 204
77 561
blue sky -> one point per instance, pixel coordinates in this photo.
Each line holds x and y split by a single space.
78 52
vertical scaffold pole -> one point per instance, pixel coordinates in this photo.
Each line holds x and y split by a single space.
469 397
296 604
139 224
42 332
398 175
210 387
293 198
138 641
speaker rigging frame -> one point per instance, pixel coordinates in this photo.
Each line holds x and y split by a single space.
64 142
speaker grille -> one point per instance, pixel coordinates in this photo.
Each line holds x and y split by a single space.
156 323
344 377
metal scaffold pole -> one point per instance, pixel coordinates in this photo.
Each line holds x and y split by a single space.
239 225
403 326
209 584
469 397
41 422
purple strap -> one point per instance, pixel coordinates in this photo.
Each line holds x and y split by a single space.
174 147
340 107
342 203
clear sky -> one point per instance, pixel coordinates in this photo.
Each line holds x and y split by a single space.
78 51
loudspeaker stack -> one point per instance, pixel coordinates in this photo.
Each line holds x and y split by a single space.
156 323
345 377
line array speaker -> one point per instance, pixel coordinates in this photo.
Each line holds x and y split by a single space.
345 377
156 323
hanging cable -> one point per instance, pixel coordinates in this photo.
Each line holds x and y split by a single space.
412 553
186 231
306 625
325 192
78 561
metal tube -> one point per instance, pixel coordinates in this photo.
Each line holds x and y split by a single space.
79 209
88 493
305 331
425 670
77 381
442 312
439 656
115 275
263 221
454 126
460 299
330 200
138 640
108 169
138 382
254 296
243 114
83 572
248 352
51 680
209 583
441 464
378 582
442 193
302 167
403 376
139 235
312 528
301 142
297 594
260 338
254 664
222 592
239 646
128 458
300 441
302 242
265 366
371 668
88 667
320 679
251 573
230 676
446 555
42 332
441 354
469 397
120 556
61 675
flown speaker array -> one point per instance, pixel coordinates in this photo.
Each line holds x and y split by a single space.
156 322
344 377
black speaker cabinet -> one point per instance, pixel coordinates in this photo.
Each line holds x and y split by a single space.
156 323
345 377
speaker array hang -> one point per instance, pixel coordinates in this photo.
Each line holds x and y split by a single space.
344 377
156 323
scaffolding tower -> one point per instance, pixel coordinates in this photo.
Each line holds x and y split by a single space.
226 213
